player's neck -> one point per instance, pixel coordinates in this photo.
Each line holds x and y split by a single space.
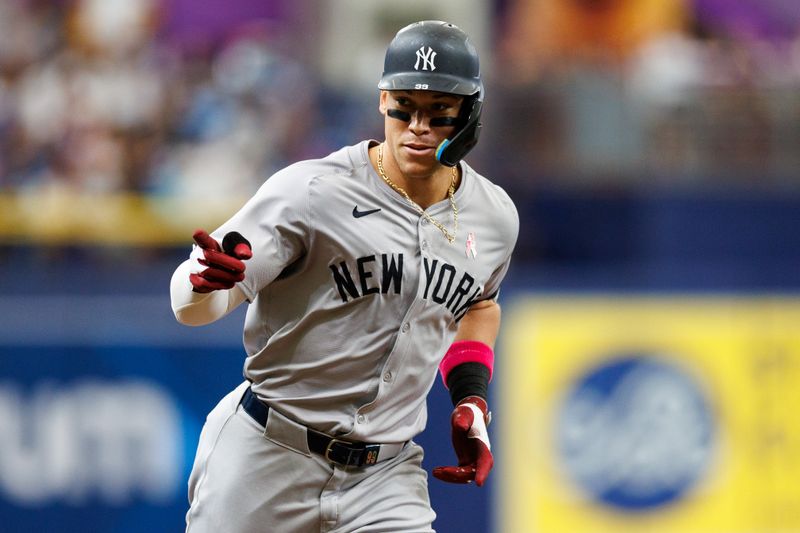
428 190
424 190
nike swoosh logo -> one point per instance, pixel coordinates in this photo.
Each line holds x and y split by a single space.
359 214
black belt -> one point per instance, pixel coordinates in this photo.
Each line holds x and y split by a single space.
336 451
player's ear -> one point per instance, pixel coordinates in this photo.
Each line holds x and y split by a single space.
382 102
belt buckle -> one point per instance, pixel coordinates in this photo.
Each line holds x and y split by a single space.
346 444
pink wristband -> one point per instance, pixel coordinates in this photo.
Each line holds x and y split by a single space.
466 352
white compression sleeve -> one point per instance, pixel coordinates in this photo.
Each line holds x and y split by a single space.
196 309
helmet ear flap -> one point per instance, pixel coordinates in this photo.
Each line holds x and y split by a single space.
453 149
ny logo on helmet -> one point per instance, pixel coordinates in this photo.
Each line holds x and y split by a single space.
427 57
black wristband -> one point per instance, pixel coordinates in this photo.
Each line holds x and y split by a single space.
468 379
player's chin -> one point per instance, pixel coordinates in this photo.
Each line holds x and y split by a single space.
420 164
420 170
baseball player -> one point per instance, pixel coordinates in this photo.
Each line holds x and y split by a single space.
367 273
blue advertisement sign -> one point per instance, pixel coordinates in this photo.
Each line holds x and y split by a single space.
103 436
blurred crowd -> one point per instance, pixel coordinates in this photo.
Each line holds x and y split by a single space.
96 95
695 91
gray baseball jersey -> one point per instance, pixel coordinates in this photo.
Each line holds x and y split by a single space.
355 297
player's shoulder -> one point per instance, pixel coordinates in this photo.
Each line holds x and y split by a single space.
485 194
488 201
295 181
342 163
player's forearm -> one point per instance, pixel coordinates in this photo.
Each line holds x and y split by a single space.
195 309
467 366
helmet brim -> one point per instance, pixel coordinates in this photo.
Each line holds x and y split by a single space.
444 83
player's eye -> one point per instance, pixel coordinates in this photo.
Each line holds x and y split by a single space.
401 101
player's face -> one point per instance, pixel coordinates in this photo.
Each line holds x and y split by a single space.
413 143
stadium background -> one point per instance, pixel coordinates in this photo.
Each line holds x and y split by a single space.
649 362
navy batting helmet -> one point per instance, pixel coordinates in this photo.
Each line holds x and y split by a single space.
432 55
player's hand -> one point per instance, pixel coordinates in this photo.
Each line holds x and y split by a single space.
471 443
225 266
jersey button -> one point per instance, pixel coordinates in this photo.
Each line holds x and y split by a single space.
406 327
424 245
361 419
424 221
387 377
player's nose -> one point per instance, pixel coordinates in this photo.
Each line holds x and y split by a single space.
420 123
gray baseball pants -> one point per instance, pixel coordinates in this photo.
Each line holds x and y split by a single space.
250 479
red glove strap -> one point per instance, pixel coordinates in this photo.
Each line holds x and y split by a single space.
466 352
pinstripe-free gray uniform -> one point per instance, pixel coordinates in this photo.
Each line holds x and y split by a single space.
354 299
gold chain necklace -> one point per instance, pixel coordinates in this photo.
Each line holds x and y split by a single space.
451 237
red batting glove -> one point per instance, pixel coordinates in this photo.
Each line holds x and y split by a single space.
471 443
224 269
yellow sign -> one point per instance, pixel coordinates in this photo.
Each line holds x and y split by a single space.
62 216
650 415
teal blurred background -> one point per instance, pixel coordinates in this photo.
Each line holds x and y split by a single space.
651 146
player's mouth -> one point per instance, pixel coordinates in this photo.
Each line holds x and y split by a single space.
419 150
